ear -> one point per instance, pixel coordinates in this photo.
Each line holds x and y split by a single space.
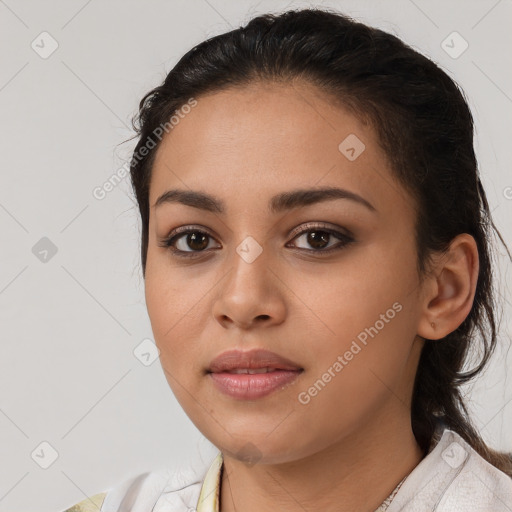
450 289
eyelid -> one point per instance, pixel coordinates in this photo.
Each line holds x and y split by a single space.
176 233
320 225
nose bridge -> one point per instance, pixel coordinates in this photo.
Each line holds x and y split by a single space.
249 290
249 265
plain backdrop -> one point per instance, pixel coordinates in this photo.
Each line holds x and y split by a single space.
73 394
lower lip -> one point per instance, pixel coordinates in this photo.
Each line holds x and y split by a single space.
246 386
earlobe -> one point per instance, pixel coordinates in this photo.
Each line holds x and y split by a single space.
453 286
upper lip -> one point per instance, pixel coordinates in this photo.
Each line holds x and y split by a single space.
257 358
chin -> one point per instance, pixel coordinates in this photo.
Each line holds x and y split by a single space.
258 447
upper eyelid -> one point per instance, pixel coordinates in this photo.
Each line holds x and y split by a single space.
311 225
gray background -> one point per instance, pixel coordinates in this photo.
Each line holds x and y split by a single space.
70 324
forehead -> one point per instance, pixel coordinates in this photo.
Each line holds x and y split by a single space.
265 138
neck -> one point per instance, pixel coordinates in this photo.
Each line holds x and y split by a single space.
357 473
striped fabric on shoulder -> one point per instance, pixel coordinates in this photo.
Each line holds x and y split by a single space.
162 490
91 504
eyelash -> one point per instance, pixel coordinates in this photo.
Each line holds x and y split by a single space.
176 234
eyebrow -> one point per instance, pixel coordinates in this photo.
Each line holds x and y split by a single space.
279 203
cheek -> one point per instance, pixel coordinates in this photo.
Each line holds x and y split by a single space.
168 301
176 303
353 375
363 313
169 293
174 335
342 300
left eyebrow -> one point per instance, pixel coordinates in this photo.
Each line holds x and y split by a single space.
279 203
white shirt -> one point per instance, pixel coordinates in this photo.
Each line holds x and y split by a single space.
452 477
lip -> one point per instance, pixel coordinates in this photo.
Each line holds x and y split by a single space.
245 386
254 359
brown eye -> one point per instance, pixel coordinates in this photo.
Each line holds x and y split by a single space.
187 241
319 238
196 240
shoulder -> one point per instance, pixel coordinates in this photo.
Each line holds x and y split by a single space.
454 477
166 489
478 486
91 504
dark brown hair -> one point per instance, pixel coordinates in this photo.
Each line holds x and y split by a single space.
426 129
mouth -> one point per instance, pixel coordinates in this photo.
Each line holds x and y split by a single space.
253 374
251 371
257 359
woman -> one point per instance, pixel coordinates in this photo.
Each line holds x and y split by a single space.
315 248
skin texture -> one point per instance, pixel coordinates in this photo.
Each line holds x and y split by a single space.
352 443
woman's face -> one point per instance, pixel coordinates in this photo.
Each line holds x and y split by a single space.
327 282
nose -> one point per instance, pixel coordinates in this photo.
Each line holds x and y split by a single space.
250 295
